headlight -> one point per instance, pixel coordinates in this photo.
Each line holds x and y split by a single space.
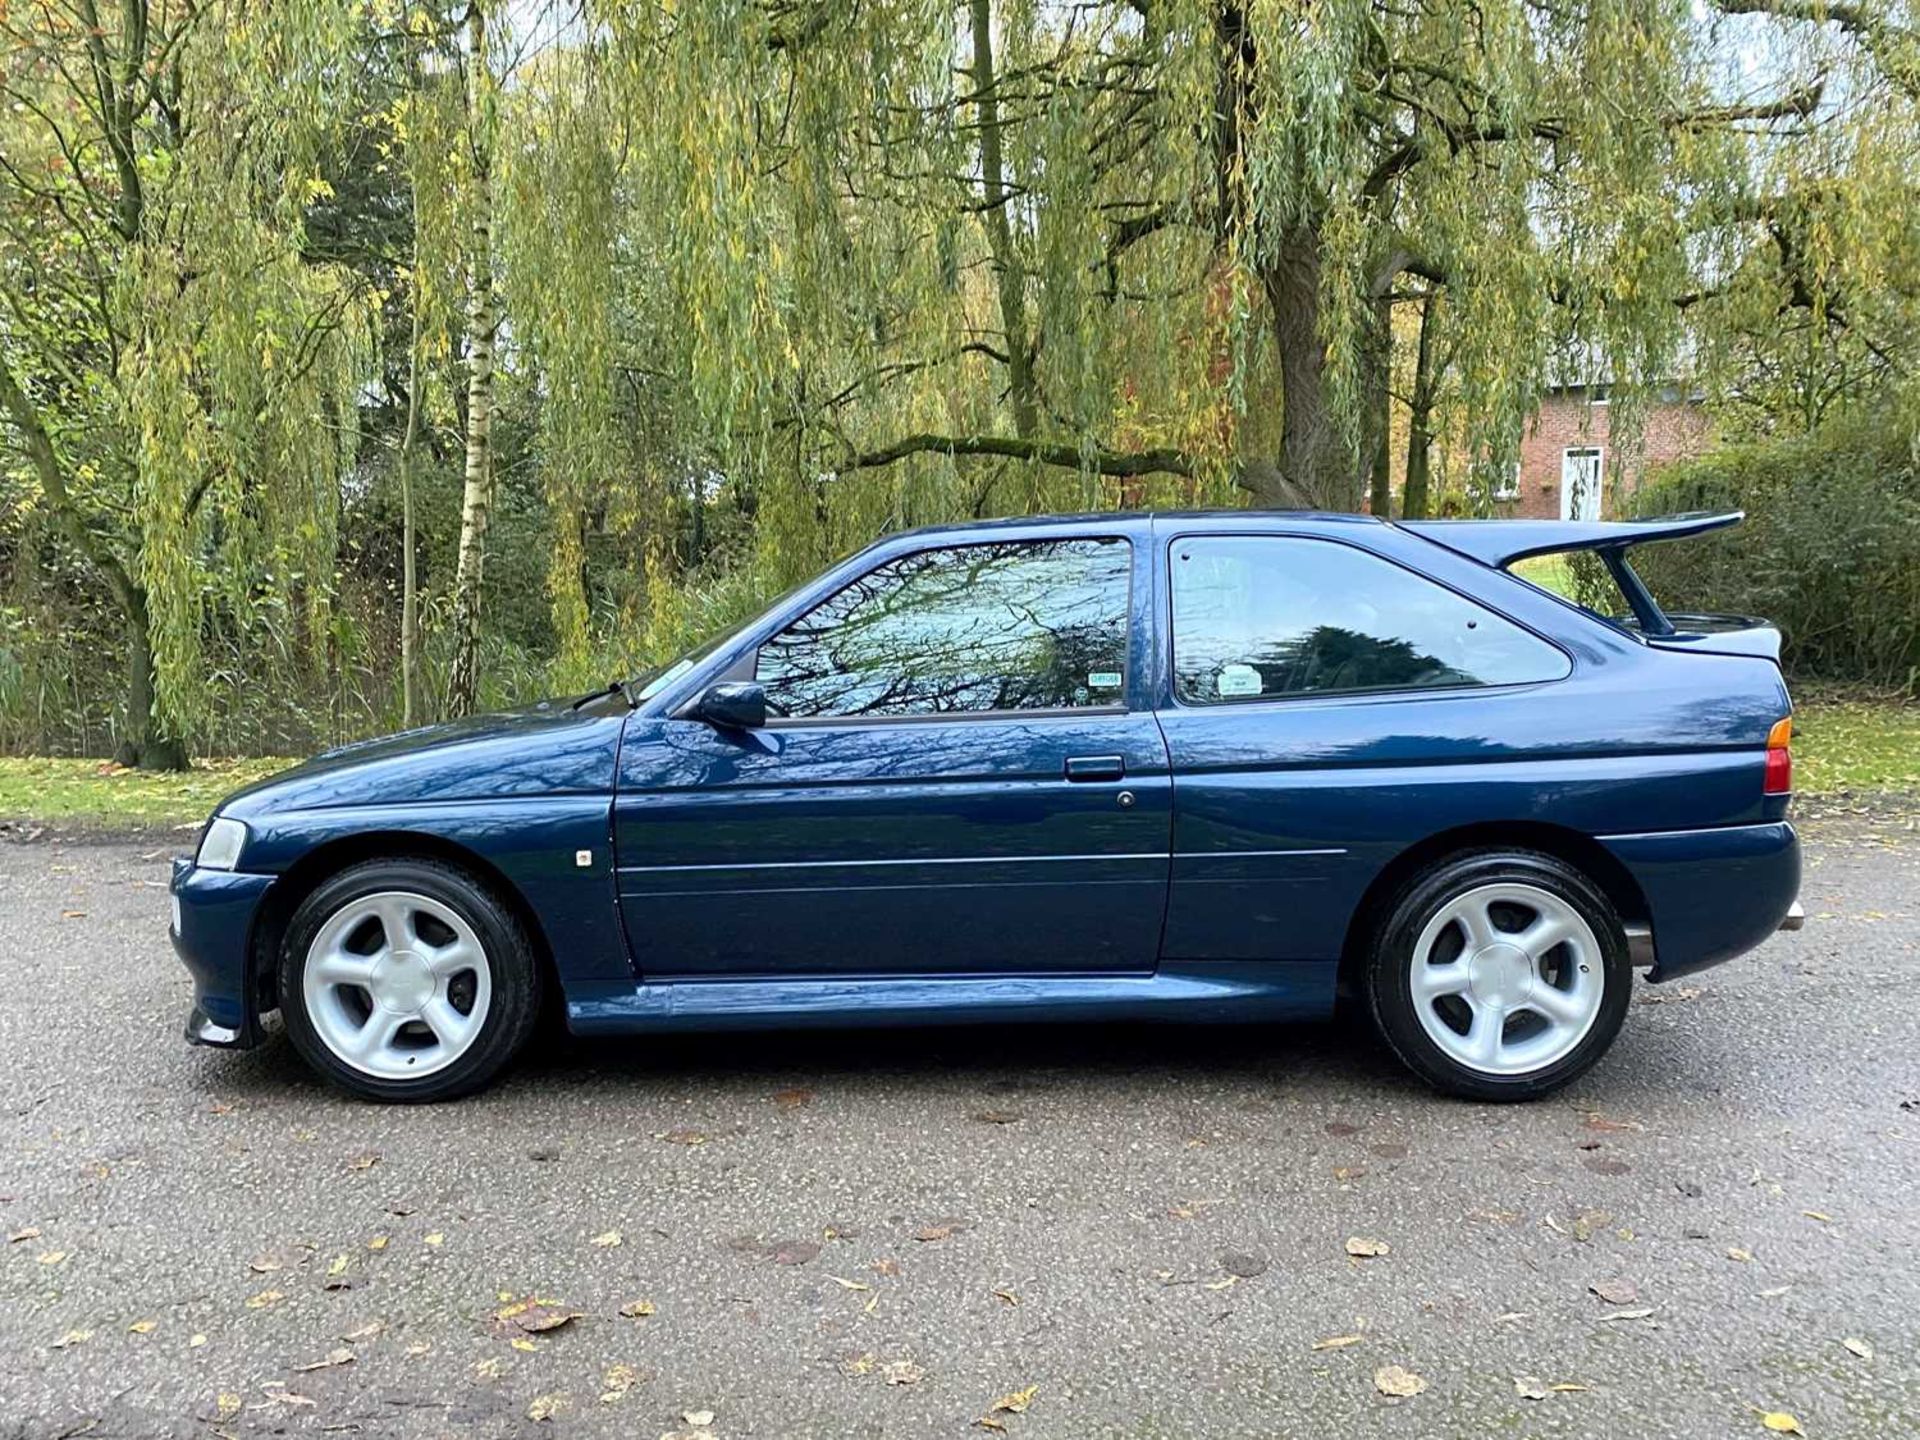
220 847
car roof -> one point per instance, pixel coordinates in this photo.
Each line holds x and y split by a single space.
1132 517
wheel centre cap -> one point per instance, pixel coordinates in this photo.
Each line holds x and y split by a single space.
1501 975
402 982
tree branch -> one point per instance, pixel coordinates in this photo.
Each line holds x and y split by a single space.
1117 463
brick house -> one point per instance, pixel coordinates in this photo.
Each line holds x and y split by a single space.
1567 464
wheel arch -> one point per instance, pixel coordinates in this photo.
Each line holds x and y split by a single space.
1578 849
305 875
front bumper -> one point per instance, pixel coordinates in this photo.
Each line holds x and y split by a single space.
1713 893
213 919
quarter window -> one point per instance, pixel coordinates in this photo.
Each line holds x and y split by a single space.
1262 616
964 630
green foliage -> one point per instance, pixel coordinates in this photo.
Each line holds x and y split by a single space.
1830 550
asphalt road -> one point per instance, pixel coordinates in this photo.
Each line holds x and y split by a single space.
883 1235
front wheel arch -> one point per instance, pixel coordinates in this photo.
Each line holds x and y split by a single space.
1576 848
306 874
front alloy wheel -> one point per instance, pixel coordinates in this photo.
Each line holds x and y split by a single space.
1500 975
407 979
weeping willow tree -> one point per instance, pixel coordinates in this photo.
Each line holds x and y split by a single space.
178 382
934 256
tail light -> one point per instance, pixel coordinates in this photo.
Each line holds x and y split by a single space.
1779 773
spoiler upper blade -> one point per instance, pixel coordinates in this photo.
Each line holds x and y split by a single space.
1501 542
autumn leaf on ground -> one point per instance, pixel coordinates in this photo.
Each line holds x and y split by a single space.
1528 1388
859 1364
195 1342
338 1267
1616 1292
490 1368
72 1338
264 1299
1362 1248
364 1161
606 1239
1006 1297
932 1233
795 1252
1397 1381
366 1331
902 1372
534 1314
637 1309
849 1284
793 1099
545 1407
618 1380
1640 1314
1338 1342
226 1405
1780 1422
1820 1215
1858 1348
32 1232
682 1136
436 1239
143 1327
52 1257
378 1242
1734 1252
340 1356
1016 1403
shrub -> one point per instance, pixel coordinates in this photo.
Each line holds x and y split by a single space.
1830 551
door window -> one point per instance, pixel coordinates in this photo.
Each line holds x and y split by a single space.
969 629
1260 616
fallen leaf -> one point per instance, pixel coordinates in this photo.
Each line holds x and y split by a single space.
226 1405
850 1284
606 1239
365 1332
795 1252
364 1161
1616 1292
537 1316
53 1257
898 1372
339 1265
1780 1422
1337 1342
1774 1292
489 1368
340 1356
617 1381
143 1327
699 1419
934 1232
1006 1296
1014 1404
545 1407
637 1309
419 1347
1394 1380
1734 1252
1824 1219
264 1299
1528 1388
72 1338
1627 1314
682 1137
521 1343
32 1232
436 1238
792 1099
1344 1173
196 1342
997 1117
1858 1347
378 1242
1568 1387
73 914
859 1364
1361 1248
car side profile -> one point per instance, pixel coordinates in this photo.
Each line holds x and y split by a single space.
1186 767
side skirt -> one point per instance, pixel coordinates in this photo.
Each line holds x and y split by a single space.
1210 993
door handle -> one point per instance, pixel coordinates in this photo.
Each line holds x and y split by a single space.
1096 767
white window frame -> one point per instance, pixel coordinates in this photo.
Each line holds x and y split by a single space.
1568 457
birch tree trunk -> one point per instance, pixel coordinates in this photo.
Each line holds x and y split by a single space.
477 498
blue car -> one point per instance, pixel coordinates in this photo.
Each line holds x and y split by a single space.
1181 767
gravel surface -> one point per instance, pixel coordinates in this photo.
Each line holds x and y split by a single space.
884 1235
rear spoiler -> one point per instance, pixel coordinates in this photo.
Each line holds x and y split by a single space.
1500 543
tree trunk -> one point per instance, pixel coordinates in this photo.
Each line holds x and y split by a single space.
477 498
1413 499
1009 275
409 577
1380 410
1314 457
143 743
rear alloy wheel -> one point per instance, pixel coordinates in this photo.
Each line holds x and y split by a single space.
407 980
1500 975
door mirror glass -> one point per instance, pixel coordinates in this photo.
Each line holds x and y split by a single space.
733 705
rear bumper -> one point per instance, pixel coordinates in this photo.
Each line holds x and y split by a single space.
213 915
1712 894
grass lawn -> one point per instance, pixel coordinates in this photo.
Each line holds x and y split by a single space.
1841 745
97 793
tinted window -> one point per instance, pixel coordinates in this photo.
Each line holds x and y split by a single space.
1017 626
1261 616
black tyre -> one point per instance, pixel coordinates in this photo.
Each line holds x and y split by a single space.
1499 975
407 980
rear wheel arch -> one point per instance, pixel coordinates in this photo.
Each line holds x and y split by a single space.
312 869
1577 849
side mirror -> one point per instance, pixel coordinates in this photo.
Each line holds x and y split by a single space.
733 705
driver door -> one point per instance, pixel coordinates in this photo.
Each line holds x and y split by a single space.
952 782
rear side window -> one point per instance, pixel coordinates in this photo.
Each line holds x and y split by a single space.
1260 616
1026 625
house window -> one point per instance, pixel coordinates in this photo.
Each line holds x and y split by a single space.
1508 489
